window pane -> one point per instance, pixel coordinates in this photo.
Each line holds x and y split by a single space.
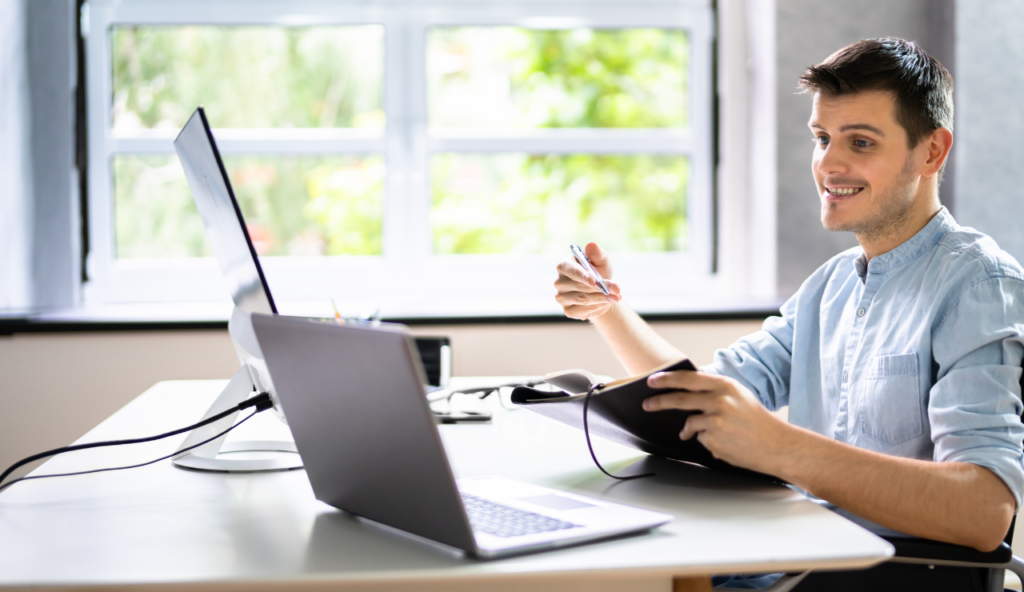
515 77
519 203
300 206
248 76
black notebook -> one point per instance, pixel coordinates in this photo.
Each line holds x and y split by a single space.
615 412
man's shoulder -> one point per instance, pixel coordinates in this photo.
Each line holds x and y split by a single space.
964 251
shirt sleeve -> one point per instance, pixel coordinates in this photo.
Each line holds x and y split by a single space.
974 406
762 361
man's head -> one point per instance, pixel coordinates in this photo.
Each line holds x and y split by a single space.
883 111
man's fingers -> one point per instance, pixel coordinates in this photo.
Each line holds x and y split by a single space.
567 291
695 424
685 379
684 401
599 259
572 270
596 254
581 298
571 284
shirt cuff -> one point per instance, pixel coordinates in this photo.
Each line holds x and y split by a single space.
1008 465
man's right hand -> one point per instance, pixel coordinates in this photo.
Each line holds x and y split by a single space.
577 291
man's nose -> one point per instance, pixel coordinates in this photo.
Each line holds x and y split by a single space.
831 161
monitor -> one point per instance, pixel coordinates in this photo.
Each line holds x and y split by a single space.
225 226
232 246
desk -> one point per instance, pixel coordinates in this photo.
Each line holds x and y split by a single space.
169 528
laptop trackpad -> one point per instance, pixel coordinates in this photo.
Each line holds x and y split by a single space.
556 502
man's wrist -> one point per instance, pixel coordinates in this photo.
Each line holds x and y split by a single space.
605 316
790 453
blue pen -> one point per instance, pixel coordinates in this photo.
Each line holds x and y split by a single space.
581 257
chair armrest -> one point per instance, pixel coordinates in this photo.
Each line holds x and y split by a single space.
912 547
916 548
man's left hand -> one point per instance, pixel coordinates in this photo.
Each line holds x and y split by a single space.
733 425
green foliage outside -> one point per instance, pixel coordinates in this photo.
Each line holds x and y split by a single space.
265 77
515 203
261 77
582 78
302 206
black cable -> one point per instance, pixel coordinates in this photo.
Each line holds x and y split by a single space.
586 432
175 453
262 402
490 390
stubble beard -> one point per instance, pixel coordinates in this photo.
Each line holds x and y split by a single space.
893 215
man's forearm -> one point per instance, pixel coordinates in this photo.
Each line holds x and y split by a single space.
633 341
954 502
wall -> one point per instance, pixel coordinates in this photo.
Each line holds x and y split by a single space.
808 31
990 120
56 231
15 165
57 386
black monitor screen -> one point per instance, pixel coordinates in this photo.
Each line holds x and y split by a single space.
225 226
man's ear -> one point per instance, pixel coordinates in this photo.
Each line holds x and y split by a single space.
937 144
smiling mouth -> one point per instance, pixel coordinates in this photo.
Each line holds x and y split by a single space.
843 191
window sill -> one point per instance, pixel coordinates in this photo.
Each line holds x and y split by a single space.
198 316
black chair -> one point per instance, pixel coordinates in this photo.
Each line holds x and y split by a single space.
919 564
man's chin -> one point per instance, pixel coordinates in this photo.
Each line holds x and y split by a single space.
832 221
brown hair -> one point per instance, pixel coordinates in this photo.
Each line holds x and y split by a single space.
922 87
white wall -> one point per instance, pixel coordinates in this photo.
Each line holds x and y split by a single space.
56 386
15 163
990 120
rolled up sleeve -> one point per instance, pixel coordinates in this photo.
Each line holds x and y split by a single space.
974 406
762 361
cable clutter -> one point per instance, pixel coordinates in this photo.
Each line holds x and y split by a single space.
261 402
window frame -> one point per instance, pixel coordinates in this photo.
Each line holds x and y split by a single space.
407 280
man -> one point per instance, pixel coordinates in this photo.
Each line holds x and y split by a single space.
891 356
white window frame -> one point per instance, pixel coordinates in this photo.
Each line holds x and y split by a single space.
407 280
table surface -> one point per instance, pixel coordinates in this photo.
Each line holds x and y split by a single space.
163 525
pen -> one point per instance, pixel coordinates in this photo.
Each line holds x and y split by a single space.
581 257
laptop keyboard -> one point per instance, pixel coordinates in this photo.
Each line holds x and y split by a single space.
504 521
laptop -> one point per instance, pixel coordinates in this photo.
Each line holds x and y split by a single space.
355 403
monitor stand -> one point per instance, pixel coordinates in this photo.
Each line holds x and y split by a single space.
215 455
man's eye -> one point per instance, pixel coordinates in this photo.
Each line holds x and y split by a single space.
861 143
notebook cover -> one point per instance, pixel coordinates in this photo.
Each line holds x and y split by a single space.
617 414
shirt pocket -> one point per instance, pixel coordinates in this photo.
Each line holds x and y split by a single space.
890 402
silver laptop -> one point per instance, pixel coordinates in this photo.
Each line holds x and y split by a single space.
355 403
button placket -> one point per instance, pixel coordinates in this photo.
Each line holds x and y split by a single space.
871 285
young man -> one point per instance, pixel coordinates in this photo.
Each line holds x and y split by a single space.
891 356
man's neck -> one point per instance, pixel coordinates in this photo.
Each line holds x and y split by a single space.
899 233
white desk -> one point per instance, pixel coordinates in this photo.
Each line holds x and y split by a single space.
159 525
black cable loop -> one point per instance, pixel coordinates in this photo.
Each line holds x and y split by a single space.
261 401
590 447
173 454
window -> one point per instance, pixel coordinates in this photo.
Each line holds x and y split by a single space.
430 158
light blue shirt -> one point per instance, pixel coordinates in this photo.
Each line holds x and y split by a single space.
916 353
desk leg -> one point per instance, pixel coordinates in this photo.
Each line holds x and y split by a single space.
702 584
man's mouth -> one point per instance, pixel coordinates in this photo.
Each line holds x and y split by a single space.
843 191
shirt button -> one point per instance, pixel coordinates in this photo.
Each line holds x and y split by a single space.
846 377
861 312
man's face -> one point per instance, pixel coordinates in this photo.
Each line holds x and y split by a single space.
866 174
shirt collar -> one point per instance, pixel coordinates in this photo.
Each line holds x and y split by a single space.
924 240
